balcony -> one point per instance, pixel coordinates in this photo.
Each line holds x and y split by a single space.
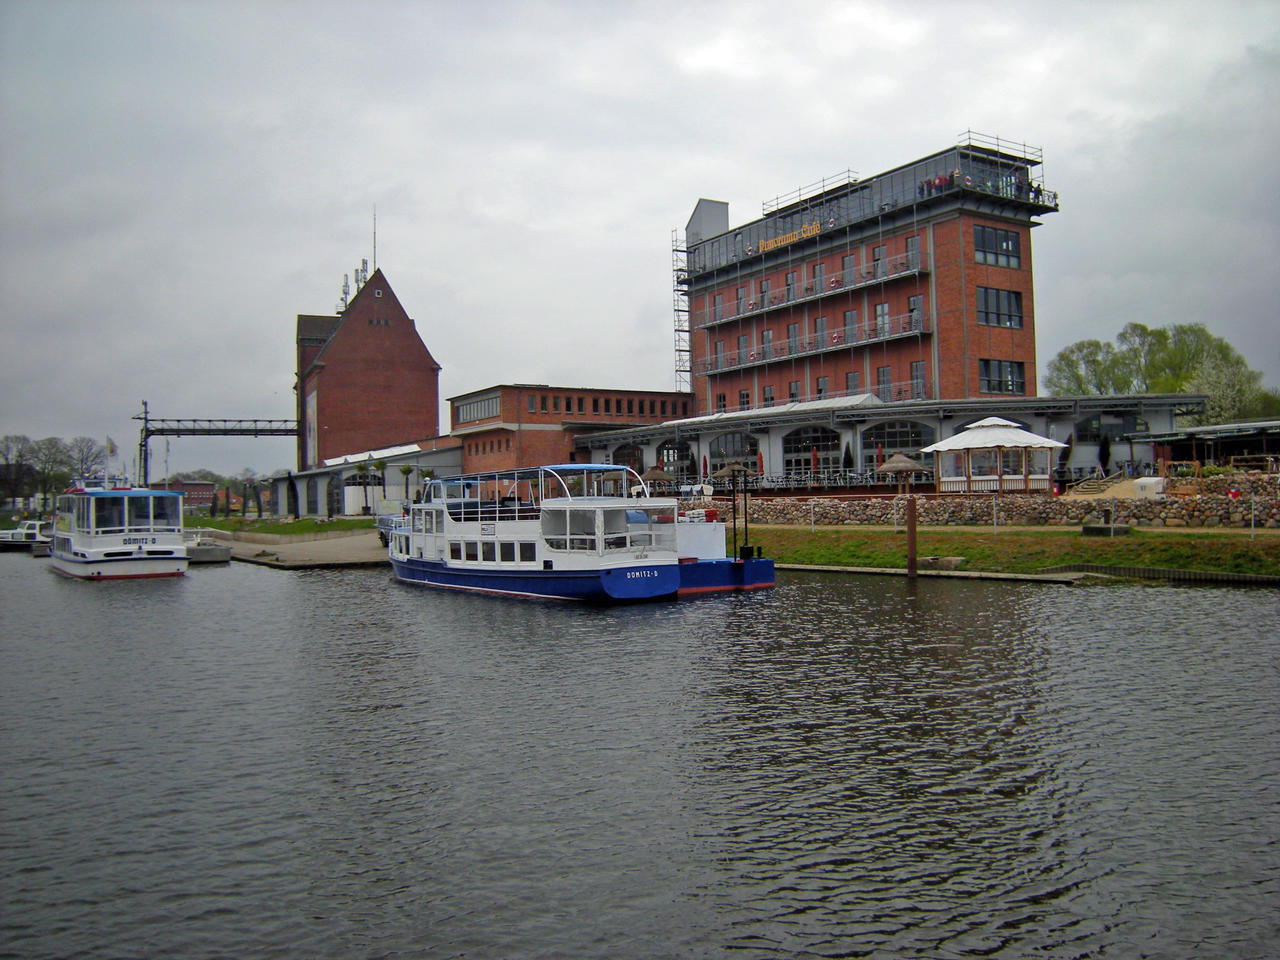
841 282
912 324
897 391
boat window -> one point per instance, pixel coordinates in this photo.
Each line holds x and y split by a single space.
139 512
455 550
488 551
108 513
472 550
167 511
507 552
582 529
528 551
555 528
83 515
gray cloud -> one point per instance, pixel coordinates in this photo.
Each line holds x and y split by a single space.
180 180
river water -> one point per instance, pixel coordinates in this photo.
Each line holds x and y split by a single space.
256 763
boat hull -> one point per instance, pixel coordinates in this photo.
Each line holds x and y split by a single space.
725 576
620 585
124 568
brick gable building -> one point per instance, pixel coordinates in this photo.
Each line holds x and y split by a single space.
365 379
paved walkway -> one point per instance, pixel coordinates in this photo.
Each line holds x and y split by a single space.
360 550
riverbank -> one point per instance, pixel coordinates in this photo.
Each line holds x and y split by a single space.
1024 550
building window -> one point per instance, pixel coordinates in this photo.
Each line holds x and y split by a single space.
996 247
849 269
917 380
607 405
999 308
793 391
595 404
915 310
744 348
533 403
684 408
767 399
740 298
850 326
580 409
1001 376
544 403
664 408
884 383
820 331
555 404
913 253
877 261
852 382
766 344
882 319
631 406
479 409
764 293
719 306
792 278
744 399
717 358
822 386
819 275
793 338
720 403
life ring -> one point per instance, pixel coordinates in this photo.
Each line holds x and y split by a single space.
831 222
968 180
834 283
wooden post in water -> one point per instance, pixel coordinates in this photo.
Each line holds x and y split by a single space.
911 538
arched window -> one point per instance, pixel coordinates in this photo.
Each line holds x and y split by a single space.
807 446
897 436
629 455
733 448
676 458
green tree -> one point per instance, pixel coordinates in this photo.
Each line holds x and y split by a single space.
405 470
87 457
1231 389
381 467
362 471
1086 367
15 462
52 465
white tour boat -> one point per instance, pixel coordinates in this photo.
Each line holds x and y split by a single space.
108 530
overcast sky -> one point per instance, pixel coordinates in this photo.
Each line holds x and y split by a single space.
180 180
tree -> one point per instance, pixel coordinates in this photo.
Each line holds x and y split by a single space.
1170 359
405 470
381 467
1231 389
362 471
87 457
52 465
15 461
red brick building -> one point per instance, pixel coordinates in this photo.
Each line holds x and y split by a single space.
915 284
365 379
512 425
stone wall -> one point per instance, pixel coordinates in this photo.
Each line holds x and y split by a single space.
1214 507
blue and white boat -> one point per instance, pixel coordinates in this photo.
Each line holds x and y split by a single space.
108 530
578 531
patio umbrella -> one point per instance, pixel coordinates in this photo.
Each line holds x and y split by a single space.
760 461
900 464
656 473
733 471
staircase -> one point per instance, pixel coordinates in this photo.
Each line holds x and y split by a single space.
1096 486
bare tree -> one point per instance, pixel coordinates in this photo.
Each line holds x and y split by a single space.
86 457
52 465
15 465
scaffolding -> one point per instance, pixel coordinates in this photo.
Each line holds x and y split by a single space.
680 311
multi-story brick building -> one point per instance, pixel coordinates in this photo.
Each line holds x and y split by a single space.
520 424
915 284
365 379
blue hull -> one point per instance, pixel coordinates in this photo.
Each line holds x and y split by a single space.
720 576
592 586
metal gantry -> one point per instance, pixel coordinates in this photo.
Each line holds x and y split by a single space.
202 427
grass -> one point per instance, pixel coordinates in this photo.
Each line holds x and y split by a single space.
307 526
1021 549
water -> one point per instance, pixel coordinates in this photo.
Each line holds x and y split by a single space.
255 763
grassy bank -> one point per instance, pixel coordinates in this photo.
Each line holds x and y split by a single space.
276 525
1021 549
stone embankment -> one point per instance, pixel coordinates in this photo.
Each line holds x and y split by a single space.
1257 504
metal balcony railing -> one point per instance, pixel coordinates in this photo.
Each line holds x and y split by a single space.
870 331
843 281
899 391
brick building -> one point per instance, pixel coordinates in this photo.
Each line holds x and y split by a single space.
914 284
365 379
517 424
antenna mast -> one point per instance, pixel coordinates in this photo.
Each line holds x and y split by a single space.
375 237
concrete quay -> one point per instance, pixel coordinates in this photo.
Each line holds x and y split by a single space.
361 548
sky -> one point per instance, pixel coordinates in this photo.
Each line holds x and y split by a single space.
178 181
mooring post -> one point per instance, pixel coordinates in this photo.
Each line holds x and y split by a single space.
911 538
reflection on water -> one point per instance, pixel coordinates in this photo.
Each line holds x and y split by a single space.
251 762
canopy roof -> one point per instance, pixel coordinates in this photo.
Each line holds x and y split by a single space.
992 433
